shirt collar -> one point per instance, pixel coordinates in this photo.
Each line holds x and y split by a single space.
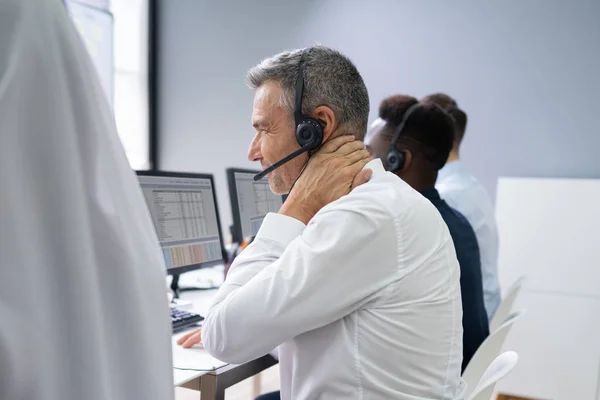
375 165
451 168
431 194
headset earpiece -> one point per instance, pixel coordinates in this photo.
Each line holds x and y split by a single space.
309 132
395 160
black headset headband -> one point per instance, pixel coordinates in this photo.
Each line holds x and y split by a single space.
400 128
298 115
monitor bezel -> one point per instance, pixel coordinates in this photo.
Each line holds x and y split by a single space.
193 267
236 230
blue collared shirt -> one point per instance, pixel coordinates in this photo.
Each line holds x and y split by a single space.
475 322
463 192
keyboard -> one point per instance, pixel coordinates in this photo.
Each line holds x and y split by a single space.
182 319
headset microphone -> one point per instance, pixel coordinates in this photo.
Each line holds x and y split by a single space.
309 131
307 147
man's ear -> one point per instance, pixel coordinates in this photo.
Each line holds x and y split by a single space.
407 160
326 117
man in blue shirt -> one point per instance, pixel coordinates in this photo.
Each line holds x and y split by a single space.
464 193
424 134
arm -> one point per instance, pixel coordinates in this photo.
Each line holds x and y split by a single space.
294 279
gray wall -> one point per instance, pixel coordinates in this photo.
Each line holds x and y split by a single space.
205 106
527 73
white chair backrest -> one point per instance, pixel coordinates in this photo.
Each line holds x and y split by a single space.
498 369
487 352
506 306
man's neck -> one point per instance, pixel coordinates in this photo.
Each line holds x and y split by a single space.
340 131
418 183
453 156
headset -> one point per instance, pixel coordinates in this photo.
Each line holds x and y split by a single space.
395 157
309 131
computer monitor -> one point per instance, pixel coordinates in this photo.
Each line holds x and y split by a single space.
251 201
186 218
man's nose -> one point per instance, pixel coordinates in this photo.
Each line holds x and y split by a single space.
254 153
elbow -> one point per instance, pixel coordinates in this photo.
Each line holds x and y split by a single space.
222 346
224 353
229 358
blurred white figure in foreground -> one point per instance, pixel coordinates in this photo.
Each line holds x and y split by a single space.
83 304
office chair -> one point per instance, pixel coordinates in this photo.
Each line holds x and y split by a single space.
498 369
487 352
505 307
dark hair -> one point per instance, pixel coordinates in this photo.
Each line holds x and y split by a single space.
428 130
451 107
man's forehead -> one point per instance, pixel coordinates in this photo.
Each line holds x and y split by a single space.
267 92
266 105
262 114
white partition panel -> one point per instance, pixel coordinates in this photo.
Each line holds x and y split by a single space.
550 232
551 229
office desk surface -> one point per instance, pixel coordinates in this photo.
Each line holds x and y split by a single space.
215 376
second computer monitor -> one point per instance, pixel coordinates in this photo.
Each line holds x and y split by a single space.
251 201
186 218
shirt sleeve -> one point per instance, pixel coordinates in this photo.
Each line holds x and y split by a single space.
293 279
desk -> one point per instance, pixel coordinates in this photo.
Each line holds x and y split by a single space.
212 382
181 377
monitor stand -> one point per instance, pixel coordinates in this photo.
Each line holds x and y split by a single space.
176 301
175 286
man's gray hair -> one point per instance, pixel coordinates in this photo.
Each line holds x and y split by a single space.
330 79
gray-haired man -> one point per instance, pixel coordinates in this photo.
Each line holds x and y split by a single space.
356 283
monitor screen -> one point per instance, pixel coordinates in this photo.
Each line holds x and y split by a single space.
185 215
251 201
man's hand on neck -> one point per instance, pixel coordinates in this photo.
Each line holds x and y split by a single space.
332 172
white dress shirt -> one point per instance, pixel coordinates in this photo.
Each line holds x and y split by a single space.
463 192
363 302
